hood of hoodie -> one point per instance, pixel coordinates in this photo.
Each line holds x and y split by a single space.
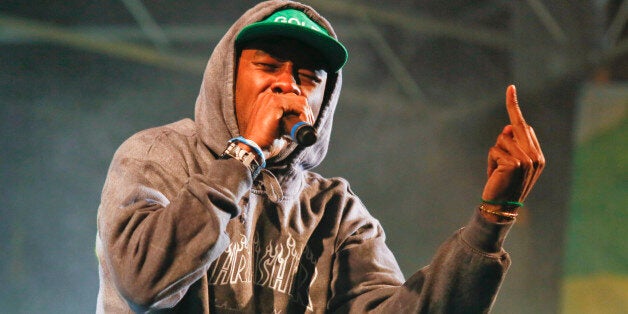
215 106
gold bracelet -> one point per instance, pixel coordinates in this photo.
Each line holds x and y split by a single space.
508 215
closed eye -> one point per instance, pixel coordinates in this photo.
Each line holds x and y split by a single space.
267 66
311 77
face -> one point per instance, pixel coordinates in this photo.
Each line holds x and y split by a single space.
281 66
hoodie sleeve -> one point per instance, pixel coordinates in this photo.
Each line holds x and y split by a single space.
463 277
161 227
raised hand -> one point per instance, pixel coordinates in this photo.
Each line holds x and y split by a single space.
516 161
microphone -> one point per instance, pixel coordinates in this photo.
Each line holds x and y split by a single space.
301 132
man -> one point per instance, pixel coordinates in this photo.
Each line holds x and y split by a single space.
222 215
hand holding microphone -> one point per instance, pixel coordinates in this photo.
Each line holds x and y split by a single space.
274 115
300 131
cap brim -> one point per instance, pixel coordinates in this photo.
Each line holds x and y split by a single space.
332 50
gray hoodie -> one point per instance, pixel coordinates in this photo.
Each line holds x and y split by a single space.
181 230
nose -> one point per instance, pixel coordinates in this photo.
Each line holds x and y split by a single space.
285 83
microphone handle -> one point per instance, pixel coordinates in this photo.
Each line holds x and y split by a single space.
301 132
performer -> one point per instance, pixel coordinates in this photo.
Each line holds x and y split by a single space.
222 214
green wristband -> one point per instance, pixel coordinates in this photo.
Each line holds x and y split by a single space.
503 203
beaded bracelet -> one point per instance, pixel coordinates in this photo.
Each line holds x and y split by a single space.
503 203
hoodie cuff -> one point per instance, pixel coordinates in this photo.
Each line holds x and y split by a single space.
232 175
485 235
227 182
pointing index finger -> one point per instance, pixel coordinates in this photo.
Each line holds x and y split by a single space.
512 105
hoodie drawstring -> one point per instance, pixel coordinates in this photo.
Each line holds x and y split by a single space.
271 186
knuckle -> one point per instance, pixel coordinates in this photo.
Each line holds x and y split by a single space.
511 163
539 160
541 163
517 163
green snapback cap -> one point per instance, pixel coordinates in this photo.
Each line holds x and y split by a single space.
296 24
